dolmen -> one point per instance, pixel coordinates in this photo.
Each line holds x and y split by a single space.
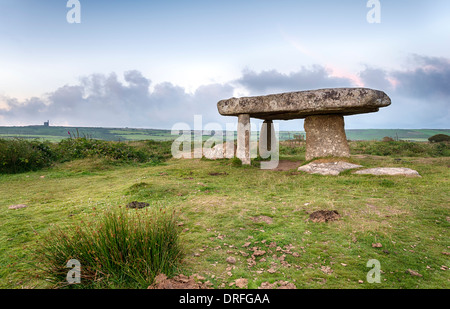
323 111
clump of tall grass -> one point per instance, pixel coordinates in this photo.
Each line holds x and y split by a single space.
122 249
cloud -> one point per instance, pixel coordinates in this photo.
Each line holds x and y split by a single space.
273 81
430 79
420 98
420 93
376 78
103 100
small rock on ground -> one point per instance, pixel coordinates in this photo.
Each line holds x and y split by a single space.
328 168
280 285
390 171
178 282
18 206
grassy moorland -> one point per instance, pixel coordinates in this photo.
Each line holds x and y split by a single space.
258 217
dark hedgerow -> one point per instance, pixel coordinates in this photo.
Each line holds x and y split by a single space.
123 249
80 148
19 155
438 138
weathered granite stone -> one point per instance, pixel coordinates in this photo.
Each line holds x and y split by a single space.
243 138
328 168
294 105
220 151
18 206
325 137
390 171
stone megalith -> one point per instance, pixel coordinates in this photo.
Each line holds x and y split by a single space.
323 111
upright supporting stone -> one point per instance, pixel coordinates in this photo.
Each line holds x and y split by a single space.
265 135
243 138
325 137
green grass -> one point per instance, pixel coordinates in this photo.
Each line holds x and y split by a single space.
216 203
120 248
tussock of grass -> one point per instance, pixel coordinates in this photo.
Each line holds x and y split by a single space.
121 248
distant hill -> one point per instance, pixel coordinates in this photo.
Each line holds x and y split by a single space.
419 135
128 134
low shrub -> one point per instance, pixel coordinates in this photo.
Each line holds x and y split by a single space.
80 148
19 155
236 162
123 249
439 138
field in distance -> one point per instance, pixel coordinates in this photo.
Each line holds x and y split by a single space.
56 134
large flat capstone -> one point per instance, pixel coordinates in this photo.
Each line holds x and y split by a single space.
301 104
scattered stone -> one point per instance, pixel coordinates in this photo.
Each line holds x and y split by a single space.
137 205
280 285
324 216
258 252
377 245
231 260
272 270
326 269
327 168
178 282
241 283
389 171
413 273
18 206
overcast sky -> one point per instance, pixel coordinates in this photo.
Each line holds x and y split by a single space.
151 64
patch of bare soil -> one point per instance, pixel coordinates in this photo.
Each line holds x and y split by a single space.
259 219
286 165
136 204
178 282
218 174
324 216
